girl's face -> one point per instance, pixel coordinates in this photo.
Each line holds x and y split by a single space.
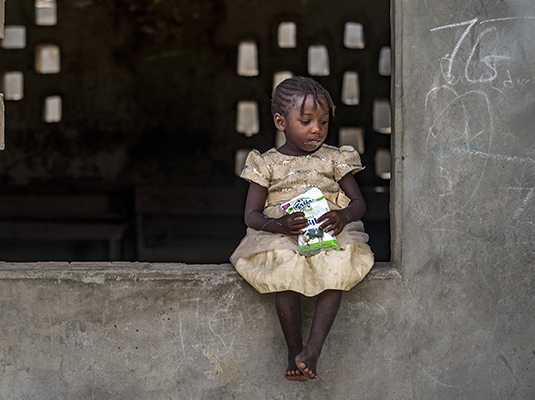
305 132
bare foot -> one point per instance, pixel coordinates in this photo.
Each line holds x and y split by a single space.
292 373
306 362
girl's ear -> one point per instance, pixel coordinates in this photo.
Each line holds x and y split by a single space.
279 122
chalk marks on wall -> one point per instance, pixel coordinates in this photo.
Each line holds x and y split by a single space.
490 61
483 77
364 313
224 324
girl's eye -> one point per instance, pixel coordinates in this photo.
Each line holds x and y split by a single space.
305 122
325 122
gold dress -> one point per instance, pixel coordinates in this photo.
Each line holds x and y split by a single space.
270 262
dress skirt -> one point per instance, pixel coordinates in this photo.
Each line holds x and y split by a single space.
271 262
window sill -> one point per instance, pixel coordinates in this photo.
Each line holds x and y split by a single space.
99 272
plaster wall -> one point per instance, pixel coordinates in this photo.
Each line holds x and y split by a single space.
463 213
169 331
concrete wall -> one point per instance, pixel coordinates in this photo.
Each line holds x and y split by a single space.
456 323
464 210
168 331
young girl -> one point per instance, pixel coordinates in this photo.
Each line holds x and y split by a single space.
268 256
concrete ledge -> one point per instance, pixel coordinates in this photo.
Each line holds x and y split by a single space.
160 331
99 272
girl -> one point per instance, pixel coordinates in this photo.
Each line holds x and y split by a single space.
268 256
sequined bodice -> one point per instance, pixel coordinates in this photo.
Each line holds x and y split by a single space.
293 175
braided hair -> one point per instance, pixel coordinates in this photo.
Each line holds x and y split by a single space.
290 90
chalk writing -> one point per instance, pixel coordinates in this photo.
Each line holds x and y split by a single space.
448 61
477 75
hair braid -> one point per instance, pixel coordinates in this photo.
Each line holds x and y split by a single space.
290 90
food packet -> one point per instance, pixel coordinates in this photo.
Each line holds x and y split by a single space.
314 205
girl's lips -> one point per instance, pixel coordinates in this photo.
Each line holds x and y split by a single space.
313 141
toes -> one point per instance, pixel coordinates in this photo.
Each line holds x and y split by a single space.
295 376
292 373
307 371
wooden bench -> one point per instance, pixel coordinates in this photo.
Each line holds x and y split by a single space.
57 217
189 224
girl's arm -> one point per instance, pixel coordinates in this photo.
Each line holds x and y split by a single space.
255 218
335 220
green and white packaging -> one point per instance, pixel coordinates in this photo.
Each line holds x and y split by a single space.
314 205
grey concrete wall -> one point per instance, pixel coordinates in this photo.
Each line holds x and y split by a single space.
164 331
464 211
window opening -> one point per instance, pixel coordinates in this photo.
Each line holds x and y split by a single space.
52 111
350 88
46 12
247 118
280 76
47 59
13 85
353 124
318 61
247 59
385 64
14 37
352 136
286 36
381 116
382 163
353 35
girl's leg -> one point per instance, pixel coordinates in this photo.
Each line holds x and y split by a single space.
327 307
289 311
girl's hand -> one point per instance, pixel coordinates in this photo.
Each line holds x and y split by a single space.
290 224
335 220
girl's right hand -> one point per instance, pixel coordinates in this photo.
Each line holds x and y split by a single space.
290 224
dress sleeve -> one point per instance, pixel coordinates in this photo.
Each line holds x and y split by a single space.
348 161
255 169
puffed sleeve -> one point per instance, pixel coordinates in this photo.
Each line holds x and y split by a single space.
348 161
255 169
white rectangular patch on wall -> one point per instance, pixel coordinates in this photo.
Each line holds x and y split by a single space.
239 161
280 76
52 111
352 136
280 139
247 59
2 119
13 85
382 163
2 18
353 35
381 116
286 35
247 118
318 61
14 37
46 12
350 88
47 59
385 64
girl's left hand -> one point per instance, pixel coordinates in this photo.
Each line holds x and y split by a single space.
335 220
